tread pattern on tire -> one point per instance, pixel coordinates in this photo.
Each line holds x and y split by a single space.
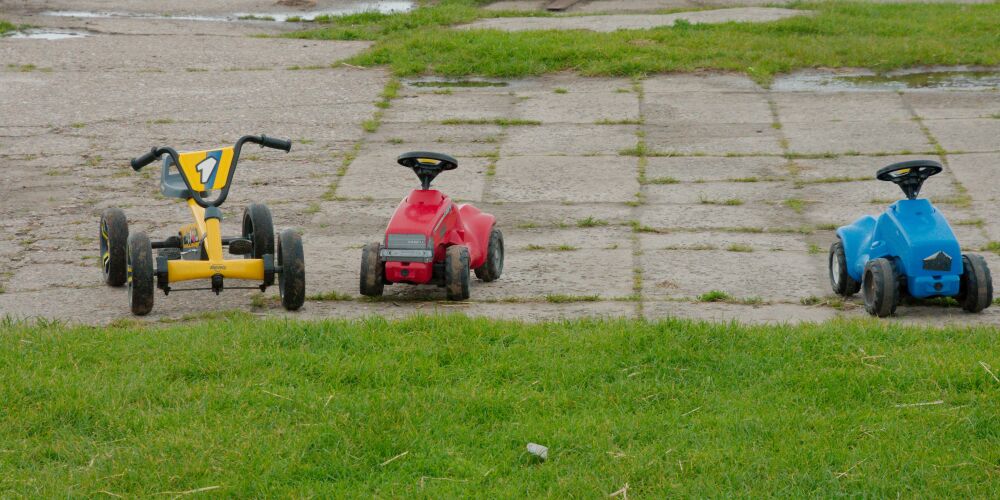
976 284
140 274
258 227
372 271
456 272
493 265
292 280
881 288
116 223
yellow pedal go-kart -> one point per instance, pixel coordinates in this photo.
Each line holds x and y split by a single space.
196 251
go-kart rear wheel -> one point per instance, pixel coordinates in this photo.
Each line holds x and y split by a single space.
259 229
880 288
456 272
291 260
493 266
842 282
140 274
113 237
372 271
976 285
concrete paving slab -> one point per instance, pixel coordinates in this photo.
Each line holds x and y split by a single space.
550 215
951 104
979 174
609 23
855 137
713 139
609 6
812 107
172 54
457 141
175 7
440 107
698 168
689 217
569 273
565 178
577 107
967 135
692 274
565 139
712 193
701 82
852 167
704 107
872 193
704 241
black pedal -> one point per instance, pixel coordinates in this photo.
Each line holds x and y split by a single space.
240 246
217 283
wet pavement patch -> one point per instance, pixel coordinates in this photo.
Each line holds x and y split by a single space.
356 8
456 83
46 34
935 79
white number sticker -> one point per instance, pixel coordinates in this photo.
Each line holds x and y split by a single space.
206 168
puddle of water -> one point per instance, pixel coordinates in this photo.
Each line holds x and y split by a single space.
380 7
940 79
44 34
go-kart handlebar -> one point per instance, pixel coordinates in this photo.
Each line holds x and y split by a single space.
155 153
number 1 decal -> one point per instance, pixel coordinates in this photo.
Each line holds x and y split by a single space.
206 168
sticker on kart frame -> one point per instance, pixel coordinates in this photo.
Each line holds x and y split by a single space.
207 170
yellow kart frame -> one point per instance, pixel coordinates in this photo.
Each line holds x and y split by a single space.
196 251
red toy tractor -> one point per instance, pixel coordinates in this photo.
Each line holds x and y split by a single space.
432 240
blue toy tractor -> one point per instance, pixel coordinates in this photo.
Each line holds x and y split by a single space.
908 250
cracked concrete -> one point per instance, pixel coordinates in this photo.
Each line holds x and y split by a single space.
616 197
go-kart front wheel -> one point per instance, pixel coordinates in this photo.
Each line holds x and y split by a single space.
456 272
372 271
493 266
880 288
842 282
114 242
291 260
140 274
976 285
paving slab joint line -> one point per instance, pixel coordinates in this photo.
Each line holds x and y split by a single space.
941 153
636 209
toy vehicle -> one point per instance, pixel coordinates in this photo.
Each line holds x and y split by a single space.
195 251
908 250
431 240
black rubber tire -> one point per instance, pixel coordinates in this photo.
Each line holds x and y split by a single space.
372 271
140 274
880 288
113 243
976 284
259 229
841 282
291 260
456 272
493 265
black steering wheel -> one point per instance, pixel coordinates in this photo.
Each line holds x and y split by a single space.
909 175
427 165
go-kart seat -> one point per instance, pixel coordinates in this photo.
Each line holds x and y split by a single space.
171 183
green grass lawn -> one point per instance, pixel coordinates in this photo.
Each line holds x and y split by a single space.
444 406
841 34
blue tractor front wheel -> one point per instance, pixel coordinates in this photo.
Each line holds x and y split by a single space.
841 281
976 284
880 287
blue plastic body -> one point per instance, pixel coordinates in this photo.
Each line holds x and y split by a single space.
908 232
